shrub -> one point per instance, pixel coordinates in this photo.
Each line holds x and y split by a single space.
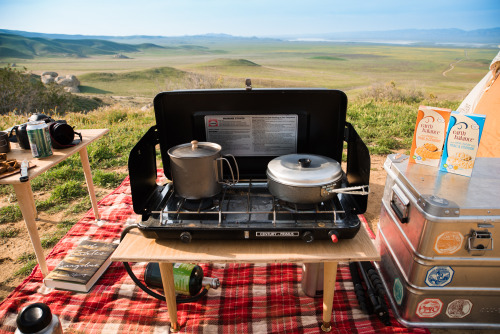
26 94
389 92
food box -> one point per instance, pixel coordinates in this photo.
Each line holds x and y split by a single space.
462 142
429 135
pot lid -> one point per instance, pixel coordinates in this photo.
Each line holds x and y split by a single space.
304 170
194 149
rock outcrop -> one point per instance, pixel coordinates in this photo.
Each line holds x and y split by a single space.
120 56
69 82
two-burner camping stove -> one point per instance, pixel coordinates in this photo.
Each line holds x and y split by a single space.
256 126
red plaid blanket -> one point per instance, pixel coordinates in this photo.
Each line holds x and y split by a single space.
253 298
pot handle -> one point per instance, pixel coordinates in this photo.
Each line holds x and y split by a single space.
357 190
234 181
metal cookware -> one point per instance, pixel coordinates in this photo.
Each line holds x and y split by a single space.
4 142
197 169
21 136
307 179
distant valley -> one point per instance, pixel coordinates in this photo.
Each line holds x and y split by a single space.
444 64
23 44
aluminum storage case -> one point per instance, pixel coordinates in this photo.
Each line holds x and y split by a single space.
436 236
435 306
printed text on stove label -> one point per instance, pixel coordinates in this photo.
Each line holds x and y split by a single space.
277 234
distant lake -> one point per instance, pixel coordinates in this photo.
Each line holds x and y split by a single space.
396 42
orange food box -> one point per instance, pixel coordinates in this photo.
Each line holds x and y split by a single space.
429 135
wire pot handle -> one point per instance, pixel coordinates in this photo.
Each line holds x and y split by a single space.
234 181
357 190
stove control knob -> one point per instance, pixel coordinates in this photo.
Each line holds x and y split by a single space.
308 236
186 237
333 235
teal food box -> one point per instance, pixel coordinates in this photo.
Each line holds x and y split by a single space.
462 142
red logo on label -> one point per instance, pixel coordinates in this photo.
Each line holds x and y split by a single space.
213 122
429 308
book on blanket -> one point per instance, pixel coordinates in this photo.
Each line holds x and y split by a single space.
82 267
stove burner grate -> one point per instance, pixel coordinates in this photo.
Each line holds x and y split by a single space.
247 202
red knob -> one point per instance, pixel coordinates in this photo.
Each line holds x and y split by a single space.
334 237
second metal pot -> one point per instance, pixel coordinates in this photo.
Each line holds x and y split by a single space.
197 169
307 179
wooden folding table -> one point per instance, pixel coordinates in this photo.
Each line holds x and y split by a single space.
23 190
136 248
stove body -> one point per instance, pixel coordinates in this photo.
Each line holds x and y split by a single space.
255 126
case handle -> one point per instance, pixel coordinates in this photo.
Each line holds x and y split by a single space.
400 204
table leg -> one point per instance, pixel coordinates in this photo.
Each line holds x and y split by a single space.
25 199
32 197
88 177
330 277
167 278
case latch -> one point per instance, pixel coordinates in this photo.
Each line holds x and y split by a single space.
479 242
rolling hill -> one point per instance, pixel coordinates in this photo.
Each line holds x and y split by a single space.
15 46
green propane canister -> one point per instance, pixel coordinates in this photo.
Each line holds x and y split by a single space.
152 277
188 278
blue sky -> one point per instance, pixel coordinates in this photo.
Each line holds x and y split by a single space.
243 18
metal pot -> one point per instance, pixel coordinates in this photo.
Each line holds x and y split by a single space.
307 179
197 169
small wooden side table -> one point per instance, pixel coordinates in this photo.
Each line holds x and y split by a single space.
136 248
23 190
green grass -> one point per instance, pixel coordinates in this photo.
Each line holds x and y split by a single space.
107 179
29 262
10 213
328 58
387 126
9 232
82 206
52 239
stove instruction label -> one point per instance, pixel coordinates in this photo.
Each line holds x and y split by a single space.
253 135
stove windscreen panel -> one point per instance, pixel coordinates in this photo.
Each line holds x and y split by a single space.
320 114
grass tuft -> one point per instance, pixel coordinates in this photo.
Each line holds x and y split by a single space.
29 262
107 179
68 191
389 92
9 232
10 213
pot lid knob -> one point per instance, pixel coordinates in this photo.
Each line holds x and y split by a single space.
194 144
304 162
